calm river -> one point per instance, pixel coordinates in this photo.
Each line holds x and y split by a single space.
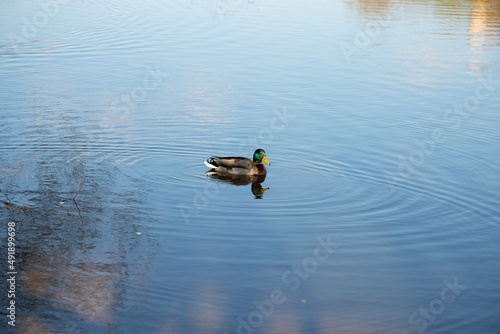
381 121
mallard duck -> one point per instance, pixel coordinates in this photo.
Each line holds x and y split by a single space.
239 165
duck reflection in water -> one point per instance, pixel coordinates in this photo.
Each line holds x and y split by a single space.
256 181
240 171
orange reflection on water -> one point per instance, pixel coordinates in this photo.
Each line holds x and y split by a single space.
484 32
484 23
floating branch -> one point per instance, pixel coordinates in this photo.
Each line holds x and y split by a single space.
23 204
79 189
74 201
16 167
21 167
79 212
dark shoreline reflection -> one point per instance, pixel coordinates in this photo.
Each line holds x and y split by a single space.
255 180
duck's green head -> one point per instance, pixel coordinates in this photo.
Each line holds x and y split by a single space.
259 156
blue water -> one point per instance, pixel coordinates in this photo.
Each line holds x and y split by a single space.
381 123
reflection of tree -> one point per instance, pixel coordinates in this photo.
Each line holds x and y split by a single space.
481 17
24 167
483 32
73 276
373 8
485 14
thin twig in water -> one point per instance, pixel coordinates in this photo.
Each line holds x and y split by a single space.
17 168
23 205
79 212
79 189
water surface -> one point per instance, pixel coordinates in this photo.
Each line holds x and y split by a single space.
381 123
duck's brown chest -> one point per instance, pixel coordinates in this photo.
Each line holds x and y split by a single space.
260 169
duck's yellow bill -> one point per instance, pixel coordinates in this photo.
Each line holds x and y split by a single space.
265 160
